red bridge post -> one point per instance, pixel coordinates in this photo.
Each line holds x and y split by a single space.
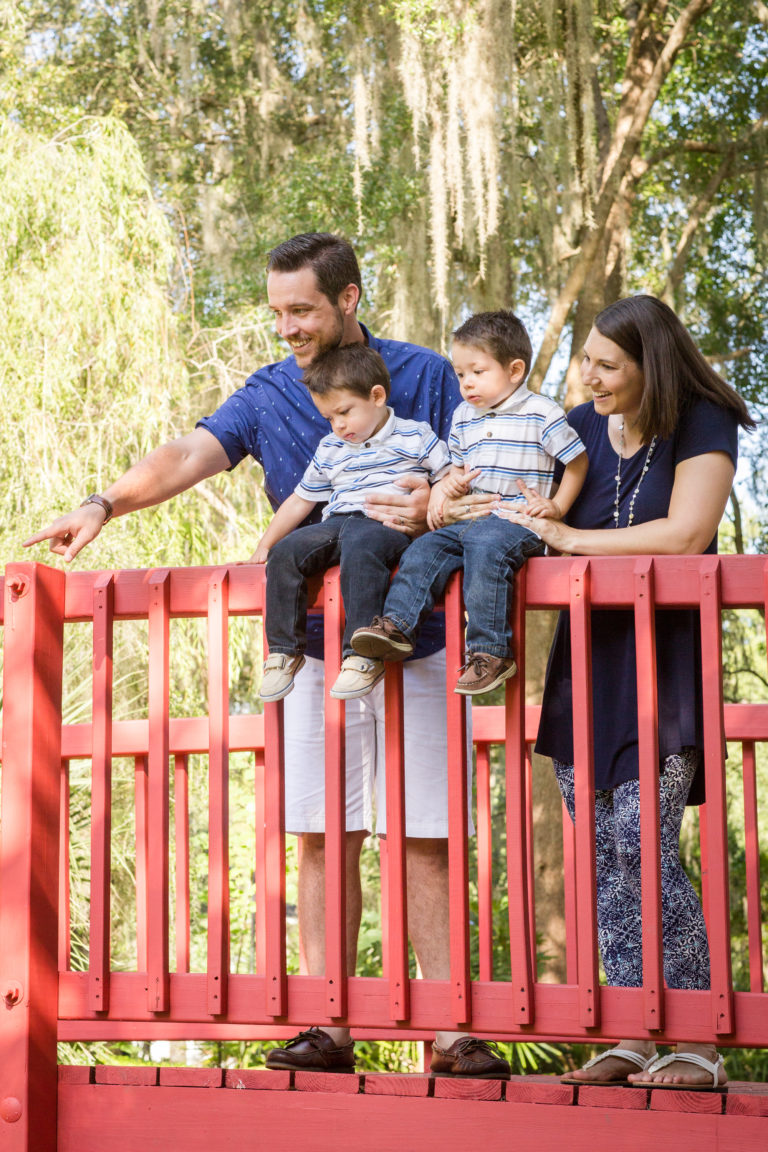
29 857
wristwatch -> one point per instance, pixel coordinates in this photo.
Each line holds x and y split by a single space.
102 502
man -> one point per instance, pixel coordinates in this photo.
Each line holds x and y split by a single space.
313 288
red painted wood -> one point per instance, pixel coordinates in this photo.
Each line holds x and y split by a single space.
141 802
335 808
668 1100
484 859
569 897
715 863
521 930
218 792
397 902
330 1083
124 1075
584 787
752 860
157 793
743 1101
75 1074
448 1089
390 1084
272 909
181 842
634 1099
94 1118
191 1077
648 756
257 1079
538 1090
29 856
64 915
458 847
101 795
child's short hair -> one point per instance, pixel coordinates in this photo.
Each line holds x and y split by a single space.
355 367
501 334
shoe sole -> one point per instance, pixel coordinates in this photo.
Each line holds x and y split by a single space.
510 672
471 1075
286 1067
379 648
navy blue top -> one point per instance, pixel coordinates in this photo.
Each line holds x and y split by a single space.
273 419
704 427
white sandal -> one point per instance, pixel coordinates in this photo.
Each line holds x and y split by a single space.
636 1058
713 1067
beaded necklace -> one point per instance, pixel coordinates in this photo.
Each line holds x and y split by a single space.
651 447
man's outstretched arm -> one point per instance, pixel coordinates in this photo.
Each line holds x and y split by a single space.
164 473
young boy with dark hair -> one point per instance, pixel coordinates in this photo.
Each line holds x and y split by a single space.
504 438
368 449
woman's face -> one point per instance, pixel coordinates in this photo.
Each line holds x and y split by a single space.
615 379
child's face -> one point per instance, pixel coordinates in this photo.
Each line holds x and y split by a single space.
354 418
485 382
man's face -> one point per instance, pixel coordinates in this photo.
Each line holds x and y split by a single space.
306 319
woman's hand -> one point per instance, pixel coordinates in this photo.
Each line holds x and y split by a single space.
470 506
555 533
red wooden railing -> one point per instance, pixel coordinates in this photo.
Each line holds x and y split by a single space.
162 998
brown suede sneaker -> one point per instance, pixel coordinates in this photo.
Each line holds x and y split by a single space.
313 1051
382 640
477 1059
482 672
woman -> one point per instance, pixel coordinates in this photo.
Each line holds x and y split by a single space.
661 436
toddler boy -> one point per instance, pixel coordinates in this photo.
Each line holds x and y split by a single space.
368 449
503 438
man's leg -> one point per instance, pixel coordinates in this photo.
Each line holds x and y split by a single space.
312 907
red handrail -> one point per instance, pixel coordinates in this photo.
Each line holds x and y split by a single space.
155 1001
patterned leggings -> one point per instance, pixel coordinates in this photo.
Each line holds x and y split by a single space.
617 844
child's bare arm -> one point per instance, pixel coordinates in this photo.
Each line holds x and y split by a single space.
289 515
556 507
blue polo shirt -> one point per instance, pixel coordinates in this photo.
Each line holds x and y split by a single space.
273 419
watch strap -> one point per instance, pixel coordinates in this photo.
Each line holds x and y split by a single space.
102 502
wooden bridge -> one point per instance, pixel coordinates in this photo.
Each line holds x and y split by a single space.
49 997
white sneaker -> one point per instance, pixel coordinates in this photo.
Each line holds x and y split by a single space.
357 677
277 679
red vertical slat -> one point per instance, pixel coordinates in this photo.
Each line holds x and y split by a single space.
260 864
335 808
484 861
141 792
648 755
529 869
397 903
458 847
717 838
29 856
272 892
569 896
586 886
158 983
517 825
181 839
384 905
218 793
101 794
752 854
64 914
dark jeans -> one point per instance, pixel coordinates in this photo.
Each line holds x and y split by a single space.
366 550
490 551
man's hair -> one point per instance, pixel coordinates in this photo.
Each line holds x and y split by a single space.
330 257
501 334
675 372
354 367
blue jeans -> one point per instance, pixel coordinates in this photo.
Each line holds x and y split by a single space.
490 551
366 550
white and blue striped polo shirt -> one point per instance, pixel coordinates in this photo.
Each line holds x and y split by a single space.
521 438
345 474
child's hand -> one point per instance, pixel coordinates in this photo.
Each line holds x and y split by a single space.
435 508
539 505
457 484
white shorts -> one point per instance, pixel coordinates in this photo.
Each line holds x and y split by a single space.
425 741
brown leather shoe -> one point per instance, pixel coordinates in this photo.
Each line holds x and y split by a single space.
478 1059
382 640
313 1051
483 672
